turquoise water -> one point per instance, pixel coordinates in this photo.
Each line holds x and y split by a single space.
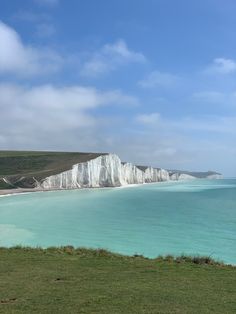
197 217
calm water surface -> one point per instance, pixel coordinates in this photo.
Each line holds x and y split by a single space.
197 217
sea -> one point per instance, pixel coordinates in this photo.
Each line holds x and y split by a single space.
196 217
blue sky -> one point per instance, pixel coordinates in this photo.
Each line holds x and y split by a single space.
153 81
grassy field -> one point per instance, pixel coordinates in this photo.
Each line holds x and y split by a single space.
20 167
70 281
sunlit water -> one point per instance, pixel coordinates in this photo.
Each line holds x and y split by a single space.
196 217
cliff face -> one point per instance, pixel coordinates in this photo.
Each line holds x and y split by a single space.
109 171
182 176
67 170
103 171
214 176
187 175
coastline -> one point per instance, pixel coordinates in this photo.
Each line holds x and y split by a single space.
11 192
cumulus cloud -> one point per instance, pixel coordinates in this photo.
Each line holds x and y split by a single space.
24 60
216 98
73 117
185 124
148 119
209 123
109 58
67 118
222 66
160 79
179 142
210 96
42 22
171 147
31 114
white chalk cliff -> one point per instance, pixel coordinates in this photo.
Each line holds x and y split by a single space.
214 176
109 171
181 176
103 171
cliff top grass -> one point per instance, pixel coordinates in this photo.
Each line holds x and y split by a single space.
68 280
36 164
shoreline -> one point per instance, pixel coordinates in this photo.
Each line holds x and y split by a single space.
11 192
20 191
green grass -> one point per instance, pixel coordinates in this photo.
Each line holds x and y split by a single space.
67 280
20 167
4 185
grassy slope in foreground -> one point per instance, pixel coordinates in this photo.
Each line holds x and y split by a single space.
67 280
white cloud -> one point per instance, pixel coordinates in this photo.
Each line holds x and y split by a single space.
109 58
190 143
210 96
205 123
160 79
69 118
55 98
216 98
46 115
165 152
222 66
148 119
120 49
209 123
42 22
24 60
